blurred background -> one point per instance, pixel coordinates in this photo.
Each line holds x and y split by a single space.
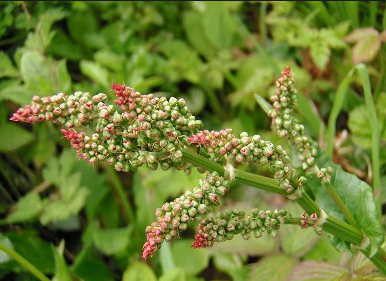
69 218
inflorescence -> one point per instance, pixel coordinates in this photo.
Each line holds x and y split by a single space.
153 131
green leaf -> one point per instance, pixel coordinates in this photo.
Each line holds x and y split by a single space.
196 35
356 194
272 268
62 46
323 251
45 24
81 23
312 270
85 261
27 208
113 240
193 261
358 121
17 93
109 59
138 271
218 24
35 250
266 106
61 270
36 74
13 137
231 264
366 50
95 72
320 53
63 77
176 274
6 67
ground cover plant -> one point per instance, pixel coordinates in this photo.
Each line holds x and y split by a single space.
259 154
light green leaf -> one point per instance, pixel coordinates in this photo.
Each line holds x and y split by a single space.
109 59
95 72
13 137
358 121
320 53
61 270
27 208
176 274
36 74
191 260
231 264
45 23
63 209
218 24
312 270
63 77
17 93
111 241
272 268
6 67
138 271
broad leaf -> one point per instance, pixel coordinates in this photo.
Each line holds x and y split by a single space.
139 271
272 268
6 67
357 196
311 270
193 261
5 241
176 274
61 270
111 241
95 72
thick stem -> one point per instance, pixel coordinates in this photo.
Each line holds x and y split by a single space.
332 225
23 262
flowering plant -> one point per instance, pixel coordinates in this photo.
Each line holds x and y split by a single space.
145 130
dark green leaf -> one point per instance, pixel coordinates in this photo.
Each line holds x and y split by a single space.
111 241
61 270
191 260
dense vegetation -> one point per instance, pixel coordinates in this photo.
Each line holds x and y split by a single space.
75 221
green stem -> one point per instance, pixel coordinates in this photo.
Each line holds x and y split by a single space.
332 225
121 193
23 262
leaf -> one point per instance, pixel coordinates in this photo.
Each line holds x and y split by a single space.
6 67
176 274
95 72
323 251
63 77
193 261
382 36
109 59
45 23
5 241
61 270
28 246
357 196
358 121
81 23
266 106
13 137
138 271
311 270
196 35
320 53
63 209
361 34
111 241
272 268
36 74
231 264
17 93
62 46
366 49
27 208
218 25
85 261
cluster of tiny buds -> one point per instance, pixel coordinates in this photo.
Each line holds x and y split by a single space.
224 146
287 126
137 130
174 216
311 221
233 222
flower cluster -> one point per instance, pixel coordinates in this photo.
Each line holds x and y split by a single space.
174 216
225 146
234 222
137 130
287 126
311 221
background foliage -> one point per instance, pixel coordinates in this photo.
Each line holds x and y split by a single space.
78 222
